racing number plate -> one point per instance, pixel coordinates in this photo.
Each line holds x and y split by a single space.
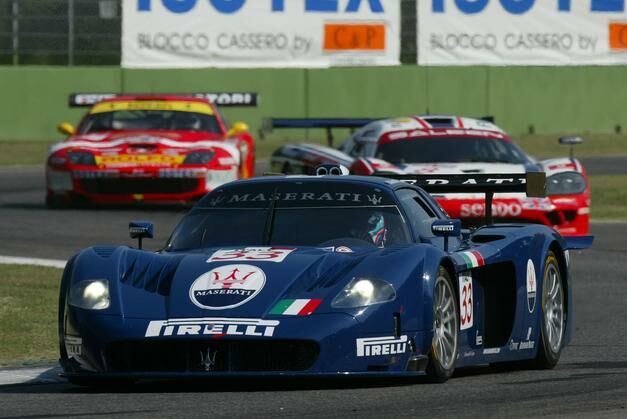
259 254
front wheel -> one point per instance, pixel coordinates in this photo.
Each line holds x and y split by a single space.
444 346
553 315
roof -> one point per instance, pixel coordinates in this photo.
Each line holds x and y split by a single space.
438 125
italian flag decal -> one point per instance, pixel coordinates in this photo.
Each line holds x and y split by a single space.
299 307
473 259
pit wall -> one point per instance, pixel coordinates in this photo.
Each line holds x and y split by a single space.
522 99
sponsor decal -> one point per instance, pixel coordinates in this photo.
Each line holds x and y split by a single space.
388 345
499 209
443 228
491 351
348 197
343 249
153 105
297 307
73 346
519 346
468 354
227 286
478 339
531 286
472 259
139 159
252 254
530 344
211 326
465 302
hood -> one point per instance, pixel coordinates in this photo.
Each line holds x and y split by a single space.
559 165
199 285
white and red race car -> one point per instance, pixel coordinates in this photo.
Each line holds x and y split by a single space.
149 148
443 144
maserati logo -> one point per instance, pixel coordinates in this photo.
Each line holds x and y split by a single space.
216 201
374 199
208 361
227 286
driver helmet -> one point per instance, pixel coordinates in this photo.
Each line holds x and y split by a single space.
376 229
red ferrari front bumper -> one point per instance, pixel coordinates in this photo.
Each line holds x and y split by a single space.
154 185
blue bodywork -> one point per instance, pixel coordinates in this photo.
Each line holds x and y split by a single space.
154 327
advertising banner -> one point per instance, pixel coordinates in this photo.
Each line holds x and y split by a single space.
259 33
522 32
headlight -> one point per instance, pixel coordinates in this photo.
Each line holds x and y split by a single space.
91 294
364 292
199 157
566 183
81 158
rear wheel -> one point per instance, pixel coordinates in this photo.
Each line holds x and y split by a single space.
553 315
444 346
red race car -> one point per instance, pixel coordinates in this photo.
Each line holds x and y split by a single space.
167 148
447 144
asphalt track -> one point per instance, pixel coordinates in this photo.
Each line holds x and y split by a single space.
589 381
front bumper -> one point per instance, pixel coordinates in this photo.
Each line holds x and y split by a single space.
319 345
136 184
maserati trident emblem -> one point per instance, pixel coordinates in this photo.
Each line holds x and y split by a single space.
374 199
208 361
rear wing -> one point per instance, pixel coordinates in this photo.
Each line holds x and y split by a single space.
270 124
531 183
221 99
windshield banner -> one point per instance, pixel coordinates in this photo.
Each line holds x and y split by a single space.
259 33
522 32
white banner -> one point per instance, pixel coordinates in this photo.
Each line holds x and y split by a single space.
259 33
522 32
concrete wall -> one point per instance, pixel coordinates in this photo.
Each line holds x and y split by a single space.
548 99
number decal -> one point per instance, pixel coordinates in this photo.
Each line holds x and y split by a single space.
259 254
465 302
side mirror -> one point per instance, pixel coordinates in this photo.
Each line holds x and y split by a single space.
446 229
141 230
571 141
66 128
237 128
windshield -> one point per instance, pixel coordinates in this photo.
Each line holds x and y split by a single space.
132 120
297 214
451 150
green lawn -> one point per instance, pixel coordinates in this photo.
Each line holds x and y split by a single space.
609 197
28 314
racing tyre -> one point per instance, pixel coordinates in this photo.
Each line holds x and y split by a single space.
553 315
444 346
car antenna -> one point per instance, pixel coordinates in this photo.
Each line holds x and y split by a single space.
267 231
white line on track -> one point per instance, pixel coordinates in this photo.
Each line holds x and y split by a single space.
39 375
14 260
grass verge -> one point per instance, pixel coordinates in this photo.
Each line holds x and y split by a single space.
23 152
28 314
609 197
546 145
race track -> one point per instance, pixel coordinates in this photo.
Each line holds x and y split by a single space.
590 380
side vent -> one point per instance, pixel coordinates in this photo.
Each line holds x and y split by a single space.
487 238
149 271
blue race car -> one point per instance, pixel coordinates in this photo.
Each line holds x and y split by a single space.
318 276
